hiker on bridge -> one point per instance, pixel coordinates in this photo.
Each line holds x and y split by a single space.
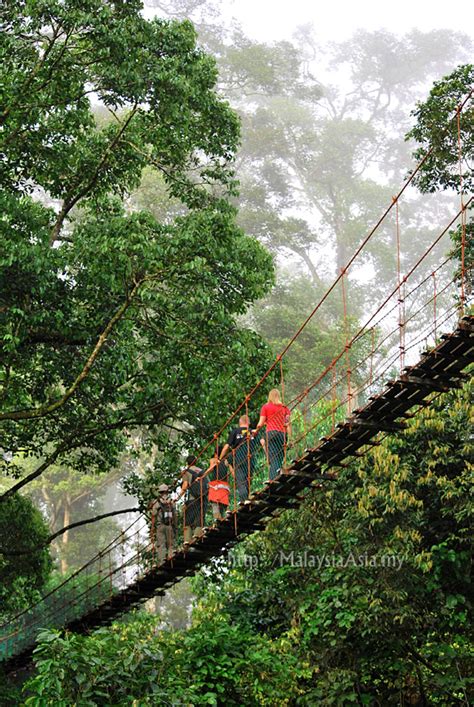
194 486
276 417
219 488
163 524
243 446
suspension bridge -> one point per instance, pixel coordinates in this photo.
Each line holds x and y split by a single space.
386 369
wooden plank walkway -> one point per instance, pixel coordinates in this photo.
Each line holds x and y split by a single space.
438 370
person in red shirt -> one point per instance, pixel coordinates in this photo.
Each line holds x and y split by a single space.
276 416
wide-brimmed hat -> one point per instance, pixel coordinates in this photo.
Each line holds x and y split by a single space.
163 487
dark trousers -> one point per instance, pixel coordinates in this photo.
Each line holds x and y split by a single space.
244 465
164 541
276 451
195 512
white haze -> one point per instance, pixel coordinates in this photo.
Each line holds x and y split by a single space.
270 20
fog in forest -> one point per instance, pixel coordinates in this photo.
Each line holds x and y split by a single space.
323 150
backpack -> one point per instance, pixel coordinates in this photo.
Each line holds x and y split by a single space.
196 485
167 512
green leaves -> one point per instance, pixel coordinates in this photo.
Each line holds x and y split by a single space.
370 628
209 664
23 576
437 127
344 632
109 309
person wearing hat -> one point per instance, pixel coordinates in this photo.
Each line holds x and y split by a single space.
163 524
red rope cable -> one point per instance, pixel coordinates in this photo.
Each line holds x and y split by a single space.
392 293
400 298
423 306
463 209
361 331
347 344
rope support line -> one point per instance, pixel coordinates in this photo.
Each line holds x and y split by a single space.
100 555
463 211
132 557
300 480
350 262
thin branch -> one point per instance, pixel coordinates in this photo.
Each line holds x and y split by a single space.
307 260
48 541
37 472
41 61
73 442
57 61
168 174
69 204
45 337
31 413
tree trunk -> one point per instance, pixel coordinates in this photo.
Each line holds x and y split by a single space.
65 538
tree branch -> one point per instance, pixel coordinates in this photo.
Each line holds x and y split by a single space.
73 442
69 204
28 414
77 524
301 252
51 337
37 472
41 61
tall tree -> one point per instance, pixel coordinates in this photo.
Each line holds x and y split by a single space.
323 148
66 497
333 152
109 318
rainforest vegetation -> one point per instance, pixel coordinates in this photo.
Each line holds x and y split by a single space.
176 197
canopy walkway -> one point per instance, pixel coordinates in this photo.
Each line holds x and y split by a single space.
106 593
365 392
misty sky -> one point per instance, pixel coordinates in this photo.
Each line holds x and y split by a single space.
276 19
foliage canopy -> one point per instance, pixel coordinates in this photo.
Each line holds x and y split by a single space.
109 318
